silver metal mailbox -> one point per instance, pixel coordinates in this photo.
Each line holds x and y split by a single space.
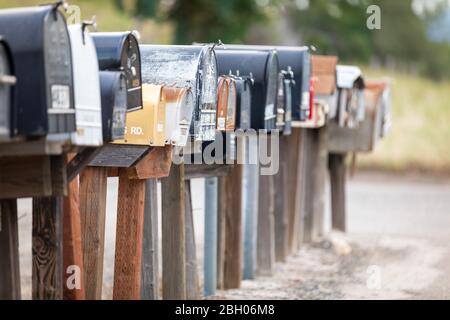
190 67
350 84
87 88
44 97
7 80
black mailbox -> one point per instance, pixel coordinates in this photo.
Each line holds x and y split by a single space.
298 60
263 67
119 51
243 102
7 80
114 95
44 97
192 67
284 105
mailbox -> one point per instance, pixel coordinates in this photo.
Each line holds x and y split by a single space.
147 126
7 80
190 67
324 75
119 51
226 104
40 44
262 66
243 102
114 93
86 87
350 84
298 61
179 108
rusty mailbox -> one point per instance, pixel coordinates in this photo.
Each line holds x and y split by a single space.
350 85
226 103
7 81
189 67
86 87
43 103
119 51
262 67
114 93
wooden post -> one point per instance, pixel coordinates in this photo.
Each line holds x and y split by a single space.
192 282
315 173
266 226
338 178
211 243
129 237
302 189
93 185
9 251
230 199
150 252
221 234
250 191
294 180
173 235
73 284
282 203
47 273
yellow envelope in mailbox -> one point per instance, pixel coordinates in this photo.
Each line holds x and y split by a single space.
147 125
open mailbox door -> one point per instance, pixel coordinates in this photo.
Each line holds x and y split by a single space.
7 82
350 85
262 67
44 96
119 51
192 68
87 88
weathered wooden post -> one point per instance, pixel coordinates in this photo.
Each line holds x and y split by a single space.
338 179
192 281
211 234
9 251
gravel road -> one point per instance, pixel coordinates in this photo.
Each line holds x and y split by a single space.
397 247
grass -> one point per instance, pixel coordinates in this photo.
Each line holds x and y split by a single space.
420 137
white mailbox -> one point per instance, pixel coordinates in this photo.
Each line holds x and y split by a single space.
350 84
86 88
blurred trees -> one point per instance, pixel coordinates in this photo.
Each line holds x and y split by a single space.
332 26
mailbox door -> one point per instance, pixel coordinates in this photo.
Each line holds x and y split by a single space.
231 105
222 102
119 51
288 86
87 89
179 109
147 125
114 95
272 73
6 87
244 102
281 103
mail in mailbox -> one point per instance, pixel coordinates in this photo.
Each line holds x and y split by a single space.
179 108
350 84
119 51
147 126
114 95
226 104
87 88
7 81
190 67
262 66
40 44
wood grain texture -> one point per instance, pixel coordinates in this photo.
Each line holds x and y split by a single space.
231 196
72 244
338 176
9 251
31 148
192 280
193 171
302 189
129 238
293 146
93 184
47 272
155 164
150 246
119 156
173 235
25 177
80 161
311 142
282 203
266 226
320 179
